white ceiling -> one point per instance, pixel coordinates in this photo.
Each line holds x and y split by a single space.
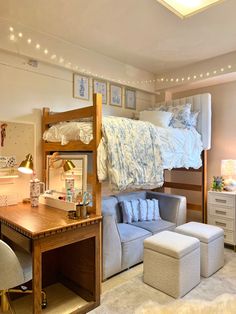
142 33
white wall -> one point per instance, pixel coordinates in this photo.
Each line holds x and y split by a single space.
25 90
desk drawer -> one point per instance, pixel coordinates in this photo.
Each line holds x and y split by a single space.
220 222
16 237
221 199
221 211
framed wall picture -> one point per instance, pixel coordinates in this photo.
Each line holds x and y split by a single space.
100 87
81 87
115 95
130 99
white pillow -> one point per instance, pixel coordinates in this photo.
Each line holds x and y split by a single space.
159 118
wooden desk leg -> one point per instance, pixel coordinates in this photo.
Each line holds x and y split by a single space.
37 278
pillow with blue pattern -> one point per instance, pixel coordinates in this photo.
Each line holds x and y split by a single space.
140 210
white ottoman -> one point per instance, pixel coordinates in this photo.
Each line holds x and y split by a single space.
171 263
211 245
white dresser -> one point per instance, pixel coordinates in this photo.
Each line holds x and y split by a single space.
221 207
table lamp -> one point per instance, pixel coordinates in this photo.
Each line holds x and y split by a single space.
228 171
27 165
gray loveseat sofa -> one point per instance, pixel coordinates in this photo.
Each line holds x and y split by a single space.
122 242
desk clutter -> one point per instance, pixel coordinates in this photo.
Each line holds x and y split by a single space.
72 201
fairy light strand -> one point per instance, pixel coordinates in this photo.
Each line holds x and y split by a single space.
68 64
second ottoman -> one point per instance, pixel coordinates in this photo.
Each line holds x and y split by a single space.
171 263
211 247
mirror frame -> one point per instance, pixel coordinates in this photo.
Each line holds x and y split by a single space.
72 157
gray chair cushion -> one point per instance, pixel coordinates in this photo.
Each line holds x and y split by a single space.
155 226
129 232
132 244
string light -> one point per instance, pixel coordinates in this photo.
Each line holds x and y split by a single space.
149 81
12 37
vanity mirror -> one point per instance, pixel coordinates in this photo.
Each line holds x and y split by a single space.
66 172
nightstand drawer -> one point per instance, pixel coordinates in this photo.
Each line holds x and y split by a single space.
221 199
228 237
221 211
220 222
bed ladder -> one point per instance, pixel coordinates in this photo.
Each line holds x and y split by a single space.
202 188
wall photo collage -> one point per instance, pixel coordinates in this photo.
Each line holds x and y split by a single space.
119 95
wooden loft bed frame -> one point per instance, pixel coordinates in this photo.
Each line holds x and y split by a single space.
94 111
201 188
201 103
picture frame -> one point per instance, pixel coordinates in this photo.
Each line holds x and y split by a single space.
81 86
100 87
130 99
115 95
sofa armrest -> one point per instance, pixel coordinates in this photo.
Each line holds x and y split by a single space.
172 207
111 244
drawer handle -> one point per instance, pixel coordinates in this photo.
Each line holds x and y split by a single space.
220 201
224 236
220 223
221 212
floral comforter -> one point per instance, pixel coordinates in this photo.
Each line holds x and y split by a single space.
129 154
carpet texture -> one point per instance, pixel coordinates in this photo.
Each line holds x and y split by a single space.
126 293
224 304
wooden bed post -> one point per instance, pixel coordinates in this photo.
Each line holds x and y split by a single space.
204 186
97 119
44 157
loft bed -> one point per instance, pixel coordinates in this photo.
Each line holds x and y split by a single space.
201 103
95 113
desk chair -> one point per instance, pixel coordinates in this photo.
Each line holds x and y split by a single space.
15 270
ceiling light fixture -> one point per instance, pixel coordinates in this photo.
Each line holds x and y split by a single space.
186 8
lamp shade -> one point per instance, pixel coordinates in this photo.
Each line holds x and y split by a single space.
68 165
228 167
26 165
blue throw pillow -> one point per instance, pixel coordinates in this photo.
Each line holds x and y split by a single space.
140 210
130 211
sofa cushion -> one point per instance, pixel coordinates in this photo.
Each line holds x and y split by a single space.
155 226
132 244
130 232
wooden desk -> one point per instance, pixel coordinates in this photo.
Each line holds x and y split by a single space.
67 250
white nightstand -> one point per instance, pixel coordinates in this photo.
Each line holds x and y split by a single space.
221 207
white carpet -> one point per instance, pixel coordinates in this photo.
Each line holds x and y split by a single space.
223 304
127 294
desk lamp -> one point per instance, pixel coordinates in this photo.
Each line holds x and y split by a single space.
228 171
27 165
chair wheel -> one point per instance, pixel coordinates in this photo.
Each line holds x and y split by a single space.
44 304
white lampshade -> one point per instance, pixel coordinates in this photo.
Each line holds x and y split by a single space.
228 167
